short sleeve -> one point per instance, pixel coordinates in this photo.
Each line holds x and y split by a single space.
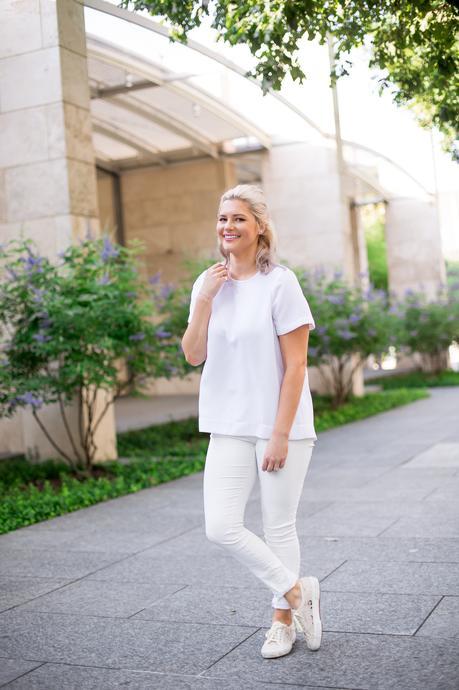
290 307
194 293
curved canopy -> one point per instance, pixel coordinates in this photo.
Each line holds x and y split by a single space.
155 101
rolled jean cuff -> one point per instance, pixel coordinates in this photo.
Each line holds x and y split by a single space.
280 603
291 582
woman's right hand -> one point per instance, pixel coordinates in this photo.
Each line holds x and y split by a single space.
213 280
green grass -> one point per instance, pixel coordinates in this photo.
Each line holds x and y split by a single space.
26 503
360 408
418 379
30 493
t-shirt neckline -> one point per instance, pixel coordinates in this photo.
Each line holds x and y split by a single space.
244 280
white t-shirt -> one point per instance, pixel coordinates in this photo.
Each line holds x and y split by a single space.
243 372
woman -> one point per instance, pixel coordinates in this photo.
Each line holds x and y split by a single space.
249 321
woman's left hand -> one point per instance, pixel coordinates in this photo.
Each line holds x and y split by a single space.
275 453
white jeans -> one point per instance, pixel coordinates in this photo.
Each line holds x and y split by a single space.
232 464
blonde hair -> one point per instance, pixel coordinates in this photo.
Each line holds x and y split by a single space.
267 240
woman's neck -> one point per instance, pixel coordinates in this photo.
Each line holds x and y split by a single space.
241 268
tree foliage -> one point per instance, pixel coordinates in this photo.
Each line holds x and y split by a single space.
67 327
415 44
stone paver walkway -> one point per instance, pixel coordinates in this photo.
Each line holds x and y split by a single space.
130 593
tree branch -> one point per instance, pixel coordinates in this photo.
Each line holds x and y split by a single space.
55 446
67 427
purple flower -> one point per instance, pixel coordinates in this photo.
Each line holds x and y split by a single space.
131 294
319 272
171 369
108 251
413 334
41 337
33 262
38 294
346 335
335 299
354 318
104 280
313 351
137 336
338 274
379 292
372 332
162 333
30 399
155 278
321 330
12 273
166 290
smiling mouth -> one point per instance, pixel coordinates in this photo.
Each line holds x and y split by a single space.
231 237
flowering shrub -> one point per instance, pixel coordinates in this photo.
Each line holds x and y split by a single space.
172 305
430 326
66 327
351 324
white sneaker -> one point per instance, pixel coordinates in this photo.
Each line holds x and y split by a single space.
307 615
279 640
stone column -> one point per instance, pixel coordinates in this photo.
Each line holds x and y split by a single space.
47 170
414 250
414 256
304 194
310 205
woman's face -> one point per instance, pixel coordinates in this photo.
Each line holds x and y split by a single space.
237 228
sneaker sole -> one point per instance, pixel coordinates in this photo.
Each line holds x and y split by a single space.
276 656
316 642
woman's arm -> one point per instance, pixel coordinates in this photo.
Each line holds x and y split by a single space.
294 346
194 341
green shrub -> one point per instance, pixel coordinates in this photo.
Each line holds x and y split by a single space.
351 323
429 326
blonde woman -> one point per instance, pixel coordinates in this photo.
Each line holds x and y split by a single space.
249 322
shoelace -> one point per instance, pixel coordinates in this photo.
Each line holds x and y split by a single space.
276 633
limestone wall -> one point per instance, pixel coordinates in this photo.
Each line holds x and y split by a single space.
47 176
173 210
